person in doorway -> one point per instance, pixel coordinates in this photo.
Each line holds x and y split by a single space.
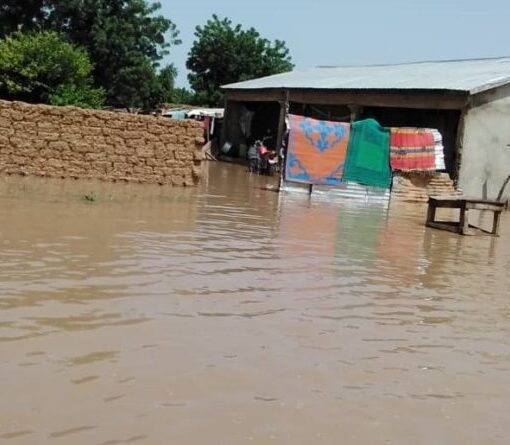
267 140
267 158
253 157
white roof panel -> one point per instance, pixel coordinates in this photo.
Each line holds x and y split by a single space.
471 76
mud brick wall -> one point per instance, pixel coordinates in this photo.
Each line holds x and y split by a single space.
68 142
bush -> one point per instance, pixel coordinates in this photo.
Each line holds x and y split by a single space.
44 68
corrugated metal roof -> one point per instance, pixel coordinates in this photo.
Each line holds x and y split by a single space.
471 76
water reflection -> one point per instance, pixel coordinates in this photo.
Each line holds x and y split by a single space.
230 314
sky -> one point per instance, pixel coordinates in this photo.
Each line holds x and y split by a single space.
356 32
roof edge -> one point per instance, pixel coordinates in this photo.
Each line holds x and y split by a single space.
358 90
491 85
417 62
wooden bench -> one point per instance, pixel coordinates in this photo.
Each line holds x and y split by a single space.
464 205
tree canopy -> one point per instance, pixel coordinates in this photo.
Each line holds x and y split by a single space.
43 68
125 39
224 53
16 15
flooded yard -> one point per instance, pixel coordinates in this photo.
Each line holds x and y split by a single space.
227 314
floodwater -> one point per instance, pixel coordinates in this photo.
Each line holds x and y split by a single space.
229 315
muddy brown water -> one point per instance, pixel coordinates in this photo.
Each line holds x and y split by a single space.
230 315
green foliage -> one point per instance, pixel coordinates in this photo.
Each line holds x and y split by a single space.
124 38
170 94
84 96
89 197
223 53
166 79
16 14
183 96
41 67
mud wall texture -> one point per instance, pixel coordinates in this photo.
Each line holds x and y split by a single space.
68 142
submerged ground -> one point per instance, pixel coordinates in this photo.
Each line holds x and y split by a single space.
228 315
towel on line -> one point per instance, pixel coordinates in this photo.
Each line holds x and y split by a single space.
367 159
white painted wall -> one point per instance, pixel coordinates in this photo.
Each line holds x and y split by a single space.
485 162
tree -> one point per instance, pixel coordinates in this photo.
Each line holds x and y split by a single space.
170 94
20 15
166 79
42 67
183 96
84 96
223 53
125 39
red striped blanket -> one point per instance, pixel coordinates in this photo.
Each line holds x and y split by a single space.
412 150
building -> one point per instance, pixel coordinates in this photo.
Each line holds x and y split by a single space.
468 101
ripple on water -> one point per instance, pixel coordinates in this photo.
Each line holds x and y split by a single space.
228 300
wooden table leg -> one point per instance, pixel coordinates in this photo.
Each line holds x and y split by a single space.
431 213
495 224
464 221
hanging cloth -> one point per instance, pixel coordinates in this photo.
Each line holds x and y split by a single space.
316 151
206 124
213 124
412 150
368 155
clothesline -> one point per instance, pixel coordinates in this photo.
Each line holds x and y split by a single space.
328 153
